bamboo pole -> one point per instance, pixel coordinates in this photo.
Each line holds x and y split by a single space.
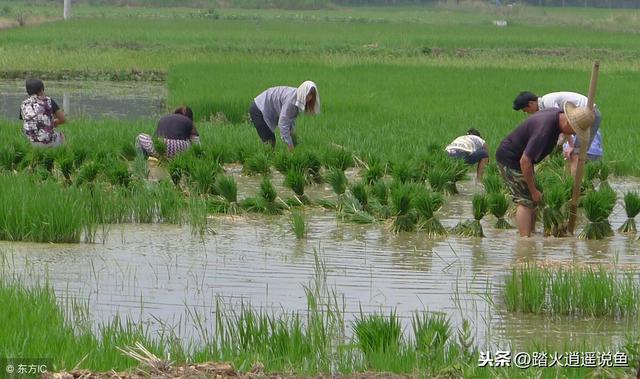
582 155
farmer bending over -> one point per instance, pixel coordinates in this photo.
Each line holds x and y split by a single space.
41 115
279 107
472 149
529 103
529 144
176 130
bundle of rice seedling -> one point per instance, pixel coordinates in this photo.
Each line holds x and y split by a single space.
555 212
160 147
118 174
473 228
338 157
311 165
202 176
404 219
7 156
373 171
632 208
352 210
128 151
401 172
295 180
87 173
337 180
266 202
498 206
426 205
282 162
258 163
179 167
597 206
493 183
298 223
359 191
226 199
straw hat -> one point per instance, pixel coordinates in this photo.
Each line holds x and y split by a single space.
580 118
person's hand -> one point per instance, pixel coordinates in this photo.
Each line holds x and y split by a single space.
536 196
567 152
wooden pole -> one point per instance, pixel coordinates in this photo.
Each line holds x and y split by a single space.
582 155
67 9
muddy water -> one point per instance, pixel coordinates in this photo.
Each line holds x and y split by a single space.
151 272
90 99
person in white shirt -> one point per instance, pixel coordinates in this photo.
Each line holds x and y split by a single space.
529 103
472 149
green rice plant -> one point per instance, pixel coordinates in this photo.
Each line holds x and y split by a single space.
80 154
498 206
282 162
258 163
555 213
298 223
351 209
226 199
597 206
442 179
401 172
179 167
432 332
339 158
632 208
337 180
266 202
573 291
310 164
202 176
160 147
128 151
64 162
426 205
404 219
373 172
118 174
360 192
376 334
295 181
170 203
380 191
88 173
7 157
473 228
493 183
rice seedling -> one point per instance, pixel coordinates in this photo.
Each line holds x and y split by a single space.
7 157
339 158
295 181
258 163
431 332
404 219
128 151
66 165
179 167
337 180
473 228
498 206
360 192
118 174
140 168
632 208
373 171
298 223
597 206
226 199
267 200
573 291
426 205
88 173
350 208
378 335
160 147
282 162
401 172
555 212
203 175
170 203
493 183
442 179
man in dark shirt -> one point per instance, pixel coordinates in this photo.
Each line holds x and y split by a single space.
529 144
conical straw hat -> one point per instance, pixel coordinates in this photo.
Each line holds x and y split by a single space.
580 118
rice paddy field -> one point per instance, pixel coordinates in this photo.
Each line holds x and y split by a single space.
365 249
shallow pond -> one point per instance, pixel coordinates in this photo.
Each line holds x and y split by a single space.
152 272
91 99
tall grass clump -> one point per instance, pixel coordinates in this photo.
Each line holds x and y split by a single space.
498 205
426 204
572 291
473 228
632 208
597 206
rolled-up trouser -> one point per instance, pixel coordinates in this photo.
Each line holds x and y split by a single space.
514 179
144 144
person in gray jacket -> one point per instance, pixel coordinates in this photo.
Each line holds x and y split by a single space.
278 107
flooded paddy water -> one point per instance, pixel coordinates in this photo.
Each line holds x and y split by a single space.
91 99
162 273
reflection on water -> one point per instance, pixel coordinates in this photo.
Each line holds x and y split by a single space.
90 99
160 270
